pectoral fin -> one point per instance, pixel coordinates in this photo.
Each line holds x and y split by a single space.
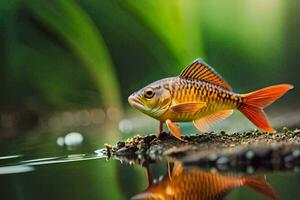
188 107
174 129
203 123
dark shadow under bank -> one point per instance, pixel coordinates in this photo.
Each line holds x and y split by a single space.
246 151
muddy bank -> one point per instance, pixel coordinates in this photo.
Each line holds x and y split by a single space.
220 150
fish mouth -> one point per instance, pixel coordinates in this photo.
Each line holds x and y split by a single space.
135 102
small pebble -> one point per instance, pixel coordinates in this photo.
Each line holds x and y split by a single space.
285 129
120 144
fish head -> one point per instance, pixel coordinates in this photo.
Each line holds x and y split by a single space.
153 100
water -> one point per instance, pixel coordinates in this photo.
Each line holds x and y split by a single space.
41 166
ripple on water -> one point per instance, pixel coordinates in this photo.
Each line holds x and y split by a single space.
28 165
9 157
15 169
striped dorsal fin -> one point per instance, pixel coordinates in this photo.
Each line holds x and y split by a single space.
201 71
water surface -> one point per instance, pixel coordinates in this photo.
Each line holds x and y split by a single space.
41 167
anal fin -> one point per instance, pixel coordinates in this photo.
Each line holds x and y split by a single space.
174 129
203 123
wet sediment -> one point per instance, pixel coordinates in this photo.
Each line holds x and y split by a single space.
246 151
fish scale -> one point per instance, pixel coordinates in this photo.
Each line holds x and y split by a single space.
189 90
193 183
192 187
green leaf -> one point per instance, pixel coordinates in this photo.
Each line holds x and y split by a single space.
174 23
72 24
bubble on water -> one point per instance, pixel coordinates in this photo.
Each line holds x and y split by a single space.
73 139
125 126
60 141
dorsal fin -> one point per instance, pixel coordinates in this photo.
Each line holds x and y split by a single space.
201 71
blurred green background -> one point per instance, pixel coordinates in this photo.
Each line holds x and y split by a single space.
58 55
71 55
70 65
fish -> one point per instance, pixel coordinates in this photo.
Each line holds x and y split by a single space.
194 183
199 94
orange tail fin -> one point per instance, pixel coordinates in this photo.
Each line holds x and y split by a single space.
260 185
254 103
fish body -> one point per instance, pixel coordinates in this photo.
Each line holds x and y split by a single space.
201 95
195 184
195 91
199 184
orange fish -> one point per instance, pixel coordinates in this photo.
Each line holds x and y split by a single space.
197 184
201 95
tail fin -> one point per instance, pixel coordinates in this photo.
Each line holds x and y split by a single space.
254 103
260 185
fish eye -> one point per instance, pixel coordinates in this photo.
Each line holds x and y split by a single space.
149 93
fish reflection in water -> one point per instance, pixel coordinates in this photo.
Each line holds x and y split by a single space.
194 183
